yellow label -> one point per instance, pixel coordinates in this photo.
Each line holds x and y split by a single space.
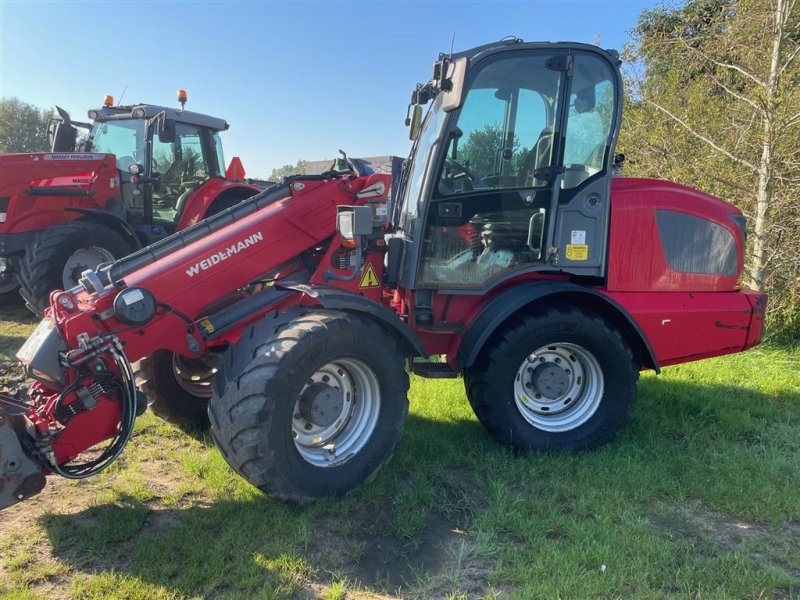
577 252
369 279
207 326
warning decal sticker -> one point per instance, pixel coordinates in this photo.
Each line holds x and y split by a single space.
577 252
369 279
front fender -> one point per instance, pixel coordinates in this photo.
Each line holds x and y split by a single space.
336 299
116 223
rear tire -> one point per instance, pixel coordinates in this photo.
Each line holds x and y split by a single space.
563 379
177 388
80 244
310 408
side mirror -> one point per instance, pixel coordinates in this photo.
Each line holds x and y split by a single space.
415 123
456 74
166 131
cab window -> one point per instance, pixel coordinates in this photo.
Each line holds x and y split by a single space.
591 109
504 131
487 216
181 166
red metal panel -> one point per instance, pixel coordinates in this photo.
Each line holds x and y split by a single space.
686 326
18 172
636 258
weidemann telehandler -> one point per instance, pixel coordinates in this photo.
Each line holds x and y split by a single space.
547 283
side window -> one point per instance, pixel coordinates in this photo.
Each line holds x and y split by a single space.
181 167
591 109
191 152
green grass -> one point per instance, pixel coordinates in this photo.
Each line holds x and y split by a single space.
697 498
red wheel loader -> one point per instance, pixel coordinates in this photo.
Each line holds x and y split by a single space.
69 210
545 281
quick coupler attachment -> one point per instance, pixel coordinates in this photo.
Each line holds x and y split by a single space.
20 477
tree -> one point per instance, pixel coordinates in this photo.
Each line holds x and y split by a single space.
286 170
714 102
23 127
482 150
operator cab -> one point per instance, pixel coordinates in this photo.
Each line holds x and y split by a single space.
177 162
510 171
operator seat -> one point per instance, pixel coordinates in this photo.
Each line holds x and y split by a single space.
538 156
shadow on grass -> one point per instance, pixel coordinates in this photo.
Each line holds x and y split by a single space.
423 524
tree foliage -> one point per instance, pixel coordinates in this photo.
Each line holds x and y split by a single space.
298 168
482 150
23 127
713 101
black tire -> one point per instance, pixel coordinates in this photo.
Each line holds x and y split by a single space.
9 291
255 409
564 409
157 378
41 270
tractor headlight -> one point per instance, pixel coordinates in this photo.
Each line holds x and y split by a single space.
138 113
134 306
345 223
93 114
353 221
135 169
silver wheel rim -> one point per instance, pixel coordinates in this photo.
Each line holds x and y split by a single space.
193 375
336 412
558 387
81 260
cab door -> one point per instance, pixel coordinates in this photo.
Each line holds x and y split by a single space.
503 195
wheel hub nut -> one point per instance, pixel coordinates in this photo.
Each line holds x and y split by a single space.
551 380
321 404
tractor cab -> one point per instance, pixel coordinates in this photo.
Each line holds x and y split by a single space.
511 167
176 151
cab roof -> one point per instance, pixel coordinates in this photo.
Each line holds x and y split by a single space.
109 113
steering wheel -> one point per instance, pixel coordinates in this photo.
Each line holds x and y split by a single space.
454 172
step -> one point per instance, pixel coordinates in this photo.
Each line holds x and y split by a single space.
433 370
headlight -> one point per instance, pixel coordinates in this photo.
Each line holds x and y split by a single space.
135 169
344 225
93 115
138 113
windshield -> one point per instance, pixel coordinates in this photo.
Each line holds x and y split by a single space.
123 138
428 137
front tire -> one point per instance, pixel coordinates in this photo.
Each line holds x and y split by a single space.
58 255
562 379
313 408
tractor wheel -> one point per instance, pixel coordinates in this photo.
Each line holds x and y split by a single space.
564 378
177 388
58 255
9 290
313 408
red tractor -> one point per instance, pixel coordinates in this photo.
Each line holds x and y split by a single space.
527 267
64 212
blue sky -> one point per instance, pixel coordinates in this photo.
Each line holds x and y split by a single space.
294 79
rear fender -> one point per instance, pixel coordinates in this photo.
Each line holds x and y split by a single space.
532 295
200 201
